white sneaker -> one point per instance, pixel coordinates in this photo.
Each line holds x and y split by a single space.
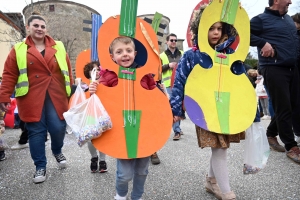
117 197
297 139
19 146
266 117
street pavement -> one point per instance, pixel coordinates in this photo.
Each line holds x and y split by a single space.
180 176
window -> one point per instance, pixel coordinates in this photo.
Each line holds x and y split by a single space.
51 8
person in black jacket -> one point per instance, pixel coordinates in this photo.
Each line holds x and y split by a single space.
296 19
275 36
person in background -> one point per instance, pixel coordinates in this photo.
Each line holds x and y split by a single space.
278 65
296 19
93 151
170 58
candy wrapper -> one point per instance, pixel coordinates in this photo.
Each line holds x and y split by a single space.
88 120
90 132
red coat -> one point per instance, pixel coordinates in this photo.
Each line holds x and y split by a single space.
110 79
44 75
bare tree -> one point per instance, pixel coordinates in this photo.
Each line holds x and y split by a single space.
16 29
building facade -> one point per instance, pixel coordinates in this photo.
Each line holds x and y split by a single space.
12 30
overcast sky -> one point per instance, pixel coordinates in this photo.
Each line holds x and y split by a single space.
178 11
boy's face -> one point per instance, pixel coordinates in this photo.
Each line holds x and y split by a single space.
123 54
214 34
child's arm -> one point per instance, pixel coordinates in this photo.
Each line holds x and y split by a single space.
108 78
185 66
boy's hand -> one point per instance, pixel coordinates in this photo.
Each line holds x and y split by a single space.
93 87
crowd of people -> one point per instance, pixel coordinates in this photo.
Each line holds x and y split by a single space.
39 68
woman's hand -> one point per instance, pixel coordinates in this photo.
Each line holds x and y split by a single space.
93 87
4 106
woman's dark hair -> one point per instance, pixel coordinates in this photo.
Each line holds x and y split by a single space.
35 15
296 18
89 67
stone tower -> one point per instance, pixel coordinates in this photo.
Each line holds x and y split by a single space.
164 30
64 20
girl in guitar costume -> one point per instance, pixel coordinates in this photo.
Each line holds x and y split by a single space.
220 37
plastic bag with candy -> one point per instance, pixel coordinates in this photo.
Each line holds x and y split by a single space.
88 120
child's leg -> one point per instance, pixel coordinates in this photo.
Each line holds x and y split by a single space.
102 156
125 170
211 171
102 163
92 149
219 166
264 105
140 175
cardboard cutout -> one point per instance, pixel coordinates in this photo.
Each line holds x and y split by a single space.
142 119
188 32
222 102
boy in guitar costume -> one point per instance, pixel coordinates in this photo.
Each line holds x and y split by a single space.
122 50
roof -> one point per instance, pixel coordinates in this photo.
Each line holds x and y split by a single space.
15 20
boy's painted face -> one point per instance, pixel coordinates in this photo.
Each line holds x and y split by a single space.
123 54
214 34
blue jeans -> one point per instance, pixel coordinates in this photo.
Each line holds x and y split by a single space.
128 169
176 125
37 132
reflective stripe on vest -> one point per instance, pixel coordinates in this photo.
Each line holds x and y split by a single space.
21 55
166 76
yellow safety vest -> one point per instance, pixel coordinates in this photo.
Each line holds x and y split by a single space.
21 55
166 76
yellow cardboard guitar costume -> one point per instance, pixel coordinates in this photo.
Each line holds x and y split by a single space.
216 99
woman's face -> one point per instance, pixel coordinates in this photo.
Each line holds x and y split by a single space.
214 34
37 29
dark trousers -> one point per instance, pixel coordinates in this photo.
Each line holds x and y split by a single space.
283 85
24 134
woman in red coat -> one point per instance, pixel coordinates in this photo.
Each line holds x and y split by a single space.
40 70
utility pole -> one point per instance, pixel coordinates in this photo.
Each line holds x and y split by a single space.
31 6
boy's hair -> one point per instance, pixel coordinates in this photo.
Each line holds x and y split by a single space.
89 67
171 34
124 40
35 15
296 18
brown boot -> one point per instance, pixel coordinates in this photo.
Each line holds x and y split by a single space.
212 187
229 196
275 145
